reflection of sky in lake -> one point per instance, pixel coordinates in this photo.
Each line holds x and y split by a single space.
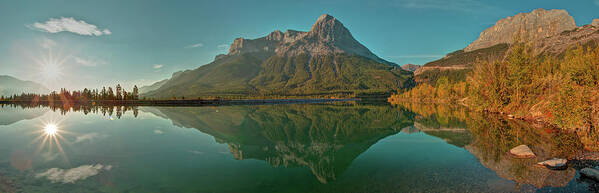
150 154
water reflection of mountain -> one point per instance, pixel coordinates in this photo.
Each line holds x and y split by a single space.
489 138
10 115
324 138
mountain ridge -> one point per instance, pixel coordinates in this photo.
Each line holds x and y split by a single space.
550 32
13 86
327 59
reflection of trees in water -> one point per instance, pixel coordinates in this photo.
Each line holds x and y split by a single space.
85 109
324 138
492 137
443 121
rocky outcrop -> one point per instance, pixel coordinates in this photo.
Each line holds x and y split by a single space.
550 32
537 24
520 171
327 36
522 151
559 43
410 67
590 173
555 164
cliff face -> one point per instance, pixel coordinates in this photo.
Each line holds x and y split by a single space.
585 35
550 32
327 36
537 24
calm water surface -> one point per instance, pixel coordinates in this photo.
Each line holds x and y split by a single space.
276 148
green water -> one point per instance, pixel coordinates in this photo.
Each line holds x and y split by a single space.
275 148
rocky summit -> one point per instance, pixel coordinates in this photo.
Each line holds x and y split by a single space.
550 32
327 36
537 24
325 60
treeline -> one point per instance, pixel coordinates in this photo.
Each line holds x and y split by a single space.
117 94
561 90
444 91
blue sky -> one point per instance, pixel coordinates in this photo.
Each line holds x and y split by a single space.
96 43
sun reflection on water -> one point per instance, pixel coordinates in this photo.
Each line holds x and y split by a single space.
50 138
51 129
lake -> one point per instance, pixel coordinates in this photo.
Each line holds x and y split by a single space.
335 147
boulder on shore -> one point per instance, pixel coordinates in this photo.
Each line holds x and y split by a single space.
555 164
590 173
522 151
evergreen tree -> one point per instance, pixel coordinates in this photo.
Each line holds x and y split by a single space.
110 94
104 94
119 91
135 92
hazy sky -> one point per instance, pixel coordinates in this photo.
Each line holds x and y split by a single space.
91 43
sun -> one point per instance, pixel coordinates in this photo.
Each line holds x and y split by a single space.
50 129
50 67
50 71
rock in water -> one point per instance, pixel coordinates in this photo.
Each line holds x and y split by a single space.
595 22
590 173
555 164
537 24
522 151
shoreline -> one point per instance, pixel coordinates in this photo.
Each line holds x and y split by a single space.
586 154
183 102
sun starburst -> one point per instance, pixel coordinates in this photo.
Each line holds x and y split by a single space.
50 66
50 138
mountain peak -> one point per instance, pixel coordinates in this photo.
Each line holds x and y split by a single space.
537 24
327 23
323 20
325 17
327 36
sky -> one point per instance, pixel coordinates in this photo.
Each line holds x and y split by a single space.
92 43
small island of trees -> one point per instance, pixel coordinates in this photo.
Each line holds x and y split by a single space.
85 96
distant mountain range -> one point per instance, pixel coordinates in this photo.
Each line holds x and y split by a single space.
327 59
157 85
551 32
410 67
12 86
